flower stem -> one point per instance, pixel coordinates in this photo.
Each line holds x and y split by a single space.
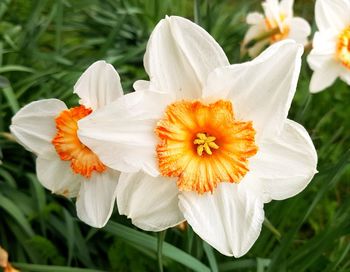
161 237
196 11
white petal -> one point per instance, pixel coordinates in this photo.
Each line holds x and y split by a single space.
34 125
254 18
325 41
229 219
122 133
332 14
99 85
57 175
299 30
260 90
273 12
286 164
325 76
96 198
180 55
142 85
286 7
324 49
151 203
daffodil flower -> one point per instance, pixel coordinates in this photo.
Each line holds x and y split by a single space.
4 263
330 56
277 23
64 164
203 140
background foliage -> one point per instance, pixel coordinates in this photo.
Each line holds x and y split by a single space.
44 47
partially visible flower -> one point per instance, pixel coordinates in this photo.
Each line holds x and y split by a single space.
4 263
207 142
330 56
64 164
277 23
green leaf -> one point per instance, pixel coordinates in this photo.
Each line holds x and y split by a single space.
13 210
211 257
150 242
48 268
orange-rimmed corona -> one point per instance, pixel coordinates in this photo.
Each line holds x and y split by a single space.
70 148
203 144
343 47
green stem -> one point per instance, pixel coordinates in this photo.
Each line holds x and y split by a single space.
196 11
161 237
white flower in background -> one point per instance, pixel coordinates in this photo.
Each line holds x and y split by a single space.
330 56
277 23
64 165
210 141
4 263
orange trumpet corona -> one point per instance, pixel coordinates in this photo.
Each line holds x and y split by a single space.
70 148
203 145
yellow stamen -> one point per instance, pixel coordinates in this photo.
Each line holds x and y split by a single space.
205 143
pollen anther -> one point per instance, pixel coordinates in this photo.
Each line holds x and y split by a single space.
205 143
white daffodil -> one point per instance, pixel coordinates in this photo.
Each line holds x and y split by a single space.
210 142
276 24
330 56
64 165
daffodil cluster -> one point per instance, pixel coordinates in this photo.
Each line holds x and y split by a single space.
202 141
330 54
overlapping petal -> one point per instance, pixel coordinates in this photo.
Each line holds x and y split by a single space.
324 76
324 49
96 198
261 90
299 30
179 57
122 133
284 165
332 14
286 7
57 176
151 203
254 18
34 125
99 85
229 219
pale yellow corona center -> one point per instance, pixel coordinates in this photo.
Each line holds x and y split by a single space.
205 143
272 24
343 47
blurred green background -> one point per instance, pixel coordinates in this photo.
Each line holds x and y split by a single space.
44 47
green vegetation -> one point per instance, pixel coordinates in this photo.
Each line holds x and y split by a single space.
45 46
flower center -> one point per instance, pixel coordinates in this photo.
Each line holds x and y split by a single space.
282 32
203 145
343 47
68 146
